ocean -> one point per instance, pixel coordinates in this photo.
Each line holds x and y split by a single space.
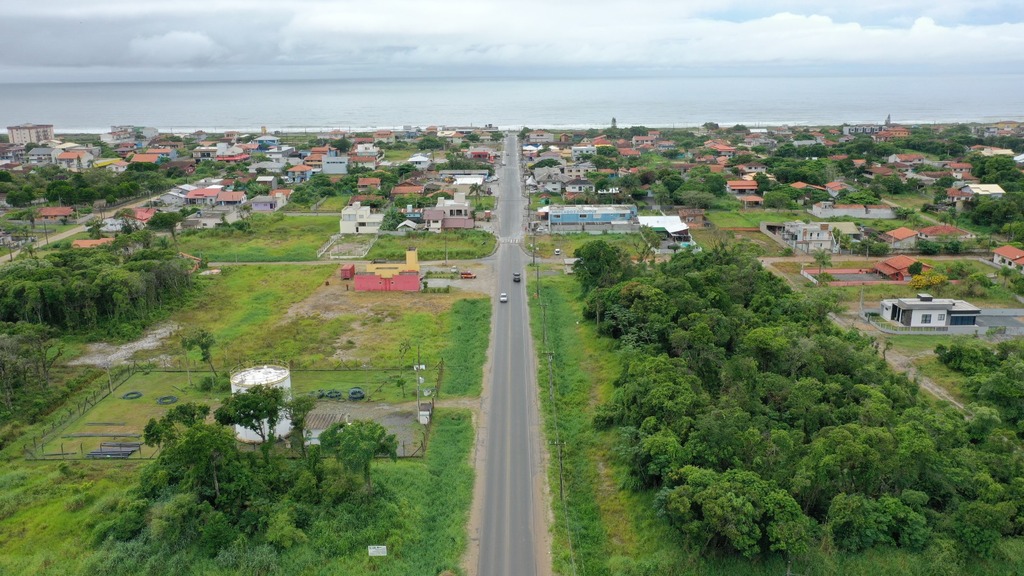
314 105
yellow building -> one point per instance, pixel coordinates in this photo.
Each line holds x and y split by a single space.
386 269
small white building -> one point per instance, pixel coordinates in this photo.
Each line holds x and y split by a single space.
926 311
334 165
420 161
359 219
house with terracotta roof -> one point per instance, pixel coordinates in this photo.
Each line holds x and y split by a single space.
364 161
740 186
166 153
901 238
898 268
230 198
912 159
91 243
751 201
75 161
202 196
836 188
891 133
54 213
407 189
143 215
1010 256
943 233
144 159
299 173
364 184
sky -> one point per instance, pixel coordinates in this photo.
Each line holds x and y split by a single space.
178 40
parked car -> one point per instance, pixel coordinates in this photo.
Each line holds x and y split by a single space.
467 274
503 297
558 251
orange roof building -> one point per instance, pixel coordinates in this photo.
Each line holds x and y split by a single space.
898 268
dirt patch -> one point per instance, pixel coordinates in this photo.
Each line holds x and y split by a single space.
103 354
399 419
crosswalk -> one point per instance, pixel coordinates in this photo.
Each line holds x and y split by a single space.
512 240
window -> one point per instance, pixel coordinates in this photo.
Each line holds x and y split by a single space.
941 318
926 318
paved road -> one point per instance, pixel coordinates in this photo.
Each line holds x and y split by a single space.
513 516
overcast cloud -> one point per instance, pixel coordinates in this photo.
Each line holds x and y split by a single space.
116 40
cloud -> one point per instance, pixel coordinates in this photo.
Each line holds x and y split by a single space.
491 35
176 48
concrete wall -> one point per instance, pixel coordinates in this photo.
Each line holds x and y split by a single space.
398 283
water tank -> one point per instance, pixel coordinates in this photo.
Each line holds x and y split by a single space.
266 375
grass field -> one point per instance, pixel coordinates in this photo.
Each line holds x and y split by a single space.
458 244
568 243
331 204
273 238
753 218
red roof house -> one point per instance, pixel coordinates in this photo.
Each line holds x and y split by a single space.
898 268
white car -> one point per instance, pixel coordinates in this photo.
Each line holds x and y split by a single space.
503 297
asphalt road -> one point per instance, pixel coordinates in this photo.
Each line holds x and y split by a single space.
513 515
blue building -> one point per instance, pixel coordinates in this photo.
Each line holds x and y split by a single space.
601 218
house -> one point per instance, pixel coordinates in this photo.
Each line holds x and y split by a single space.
55 213
943 233
579 186
993 191
298 174
912 159
578 170
582 150
117 167
740 186
144 159
862 129
267 141
901 238
449 214
365 184
407 189
1009 256
673 226
386 136
359 219
211 218
898 268
143 215
334 164
186 165
11 153
809 237
420 161
960 170
867 211
75 161
836 188
694 217
232 198
752 168
164 153
752 201
927 311
203 196
540 137
364 161
40 156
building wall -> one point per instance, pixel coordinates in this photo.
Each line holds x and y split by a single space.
36 133
399 283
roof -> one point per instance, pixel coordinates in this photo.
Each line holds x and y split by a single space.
671 224
748 184
750 199
70 155
144 214
147 158
203 193
90 243
901 233
300 168
900 262
362 158
225 196
56 211
286 192
369 182
1009 252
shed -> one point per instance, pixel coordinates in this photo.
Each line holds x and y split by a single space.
347 272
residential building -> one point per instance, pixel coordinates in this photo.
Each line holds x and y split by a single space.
898 268
993 191
25 133
420 161
230 198
334 164
449 214
673 226
930 312
741 186
694 217
809 237
579 186
1009 256
540 137
11 153
583 150
901 238
203 196
55 213
868 129
75 161
359 219
364 161
41 156
267 141
298 174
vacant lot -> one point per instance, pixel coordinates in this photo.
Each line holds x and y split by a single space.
568 243
454 245
753 218
273 238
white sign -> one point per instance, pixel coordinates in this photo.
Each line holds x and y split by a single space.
378 550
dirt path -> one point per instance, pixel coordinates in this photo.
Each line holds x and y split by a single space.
103 354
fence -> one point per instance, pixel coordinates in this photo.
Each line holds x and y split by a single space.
116 376
327 245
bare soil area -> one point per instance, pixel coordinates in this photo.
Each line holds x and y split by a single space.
103 354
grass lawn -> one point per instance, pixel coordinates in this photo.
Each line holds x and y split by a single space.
915 201
483 202
458 244
331 204
753 218
568 243
273 238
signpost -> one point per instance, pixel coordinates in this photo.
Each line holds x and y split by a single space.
377 550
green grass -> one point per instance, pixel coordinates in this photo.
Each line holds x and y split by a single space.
753 218
466 352
274 238
459 245
568 243
331 204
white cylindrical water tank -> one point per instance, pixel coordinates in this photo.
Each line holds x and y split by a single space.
266 375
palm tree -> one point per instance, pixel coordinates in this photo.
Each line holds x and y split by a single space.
475 190
822 258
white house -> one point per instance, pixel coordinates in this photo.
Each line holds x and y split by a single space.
420 161
927 311
334 165
359 219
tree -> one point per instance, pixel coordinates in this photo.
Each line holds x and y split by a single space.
258 409
357 444
203 340
822 258
166 222
297 409
599 264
